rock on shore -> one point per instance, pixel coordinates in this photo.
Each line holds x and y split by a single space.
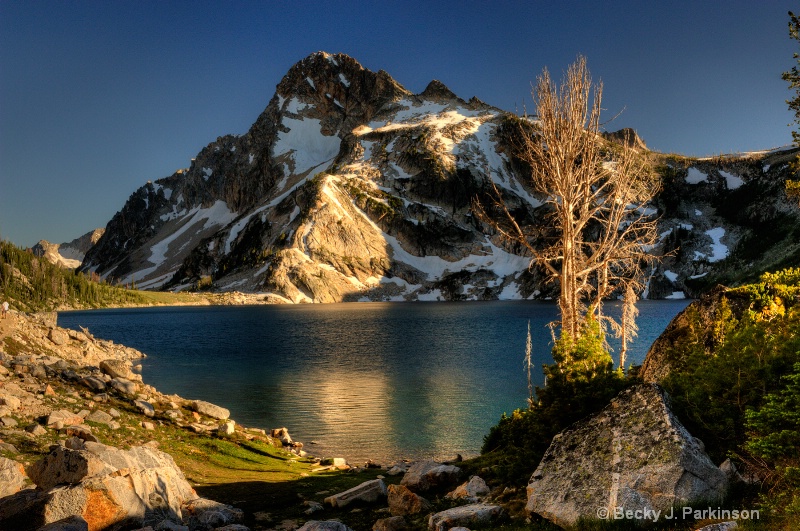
634 455
52 383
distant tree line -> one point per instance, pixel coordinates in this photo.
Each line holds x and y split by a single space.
35 284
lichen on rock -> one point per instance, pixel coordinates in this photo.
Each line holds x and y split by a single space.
634 454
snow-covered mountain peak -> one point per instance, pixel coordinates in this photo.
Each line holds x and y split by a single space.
350 187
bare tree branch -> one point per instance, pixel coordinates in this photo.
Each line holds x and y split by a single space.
595 195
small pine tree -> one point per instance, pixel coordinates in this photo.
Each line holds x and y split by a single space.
793 77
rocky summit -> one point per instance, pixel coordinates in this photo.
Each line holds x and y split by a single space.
69 254
351 187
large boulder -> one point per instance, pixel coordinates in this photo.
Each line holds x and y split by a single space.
207 408
367 492
117 368
472 490
632 455
12 477
101 484
63 417
402 501
469 516
423 476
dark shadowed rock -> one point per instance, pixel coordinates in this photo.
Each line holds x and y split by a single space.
722 526
70 523
230 527
693 324
633 454
324 525
393 523
95 384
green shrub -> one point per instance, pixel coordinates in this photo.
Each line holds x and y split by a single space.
774 436
581 382
739 391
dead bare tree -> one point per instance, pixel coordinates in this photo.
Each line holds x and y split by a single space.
528 363
596 196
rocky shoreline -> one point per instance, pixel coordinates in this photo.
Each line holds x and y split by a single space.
71 406
65 386
227 298
85 444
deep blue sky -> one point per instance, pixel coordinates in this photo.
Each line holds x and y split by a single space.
98 97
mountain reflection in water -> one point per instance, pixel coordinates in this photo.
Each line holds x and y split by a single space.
361 380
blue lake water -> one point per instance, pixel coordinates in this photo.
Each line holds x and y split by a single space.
359 380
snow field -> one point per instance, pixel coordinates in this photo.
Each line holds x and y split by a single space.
306 144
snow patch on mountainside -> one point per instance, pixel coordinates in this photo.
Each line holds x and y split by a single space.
695 176
719 251
306 144
295 105
676 295
734 181
495 259
195 221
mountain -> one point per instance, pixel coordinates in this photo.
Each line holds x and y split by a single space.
70 254
350 187
724 220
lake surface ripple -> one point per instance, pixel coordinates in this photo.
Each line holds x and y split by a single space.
357 380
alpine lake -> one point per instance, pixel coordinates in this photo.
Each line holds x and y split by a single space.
380 381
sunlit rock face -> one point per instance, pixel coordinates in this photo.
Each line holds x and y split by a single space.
351 187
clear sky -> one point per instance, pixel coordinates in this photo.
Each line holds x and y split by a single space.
98 97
